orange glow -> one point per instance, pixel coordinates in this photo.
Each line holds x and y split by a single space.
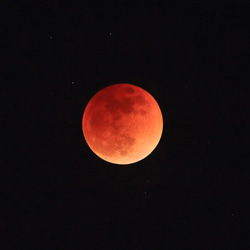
122 123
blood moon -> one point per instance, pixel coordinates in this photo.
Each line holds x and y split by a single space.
122 123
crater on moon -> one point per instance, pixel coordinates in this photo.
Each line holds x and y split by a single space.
129 90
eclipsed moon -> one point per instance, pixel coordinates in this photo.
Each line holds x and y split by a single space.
122 123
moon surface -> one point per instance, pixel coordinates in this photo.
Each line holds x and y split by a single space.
122 123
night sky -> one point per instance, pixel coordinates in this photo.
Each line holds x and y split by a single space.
191 192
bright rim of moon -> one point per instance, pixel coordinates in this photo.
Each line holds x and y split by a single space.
122 123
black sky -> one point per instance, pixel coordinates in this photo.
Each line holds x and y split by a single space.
191 192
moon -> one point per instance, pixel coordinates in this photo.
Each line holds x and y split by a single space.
122 124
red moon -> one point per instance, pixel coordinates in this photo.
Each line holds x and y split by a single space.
122 123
